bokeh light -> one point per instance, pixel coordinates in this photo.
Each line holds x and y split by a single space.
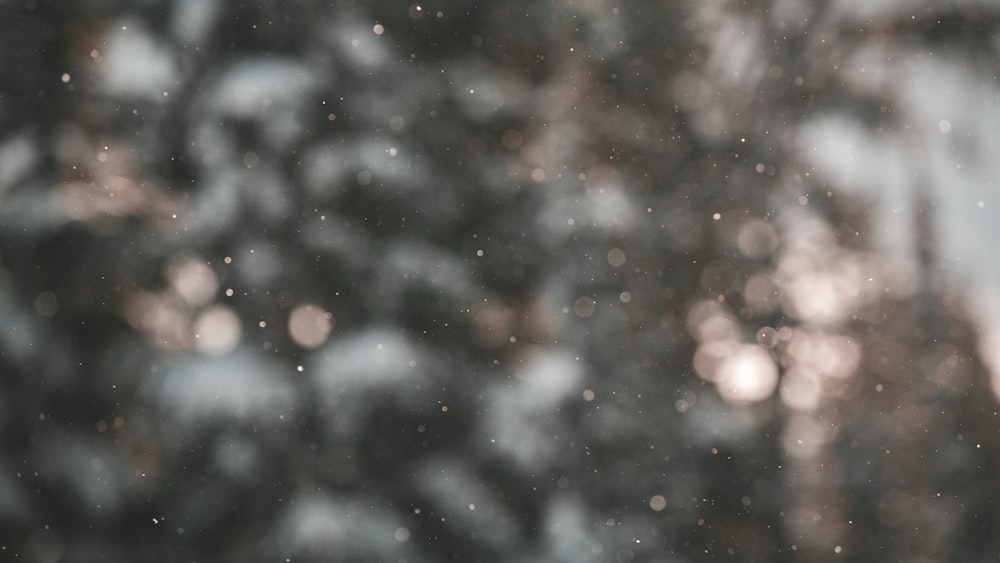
309 325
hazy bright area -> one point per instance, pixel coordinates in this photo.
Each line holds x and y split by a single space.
526 281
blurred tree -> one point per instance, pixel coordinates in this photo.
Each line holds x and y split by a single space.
527 282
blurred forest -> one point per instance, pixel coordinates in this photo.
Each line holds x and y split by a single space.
527 281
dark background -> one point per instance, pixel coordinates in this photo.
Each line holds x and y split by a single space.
591 293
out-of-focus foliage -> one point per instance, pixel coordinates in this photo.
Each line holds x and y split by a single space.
522 281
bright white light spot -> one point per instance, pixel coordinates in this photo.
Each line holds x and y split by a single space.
309 325
658 502
193 280
716 216
747 376
378 29
217 330
66 78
